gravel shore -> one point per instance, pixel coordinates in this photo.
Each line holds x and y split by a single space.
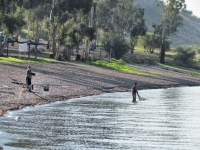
70 80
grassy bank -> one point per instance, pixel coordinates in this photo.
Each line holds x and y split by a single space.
12 59
119 65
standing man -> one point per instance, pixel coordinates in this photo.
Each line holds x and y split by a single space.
134 92
29 75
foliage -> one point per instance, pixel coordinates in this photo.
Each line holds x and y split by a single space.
104 13
119 16
123 18
187 34
13 23
196 48
60 13
139 28
170 22
90 58
184 55
151 41
12 17
115 44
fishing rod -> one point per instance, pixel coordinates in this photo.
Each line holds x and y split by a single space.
14 81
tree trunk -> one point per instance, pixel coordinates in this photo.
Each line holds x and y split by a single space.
133 43
1 49
2 19
37 31
132 47
54 40
162 53
58 52
4 13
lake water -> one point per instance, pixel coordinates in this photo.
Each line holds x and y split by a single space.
169 119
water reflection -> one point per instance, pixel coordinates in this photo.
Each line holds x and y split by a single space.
167 120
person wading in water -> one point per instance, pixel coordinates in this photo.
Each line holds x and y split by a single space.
134 92
29 75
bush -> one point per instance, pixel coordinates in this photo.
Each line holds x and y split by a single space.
90 58
185 55
119 46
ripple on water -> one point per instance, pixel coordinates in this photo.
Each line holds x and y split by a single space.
167 120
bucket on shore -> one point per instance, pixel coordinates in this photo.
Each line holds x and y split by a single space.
46 90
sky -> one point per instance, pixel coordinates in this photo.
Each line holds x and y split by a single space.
194 6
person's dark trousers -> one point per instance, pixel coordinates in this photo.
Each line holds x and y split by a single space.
28 83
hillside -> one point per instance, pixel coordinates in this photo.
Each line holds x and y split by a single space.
189 34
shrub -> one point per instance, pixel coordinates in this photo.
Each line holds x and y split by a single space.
113 42
90 58
185 55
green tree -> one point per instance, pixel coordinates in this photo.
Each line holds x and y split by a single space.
57 14
121 17
151 42
75 31
38 15
60 12
139 29
171 20
114 45
104 13
11 18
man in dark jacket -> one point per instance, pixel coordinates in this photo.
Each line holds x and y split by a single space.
29 75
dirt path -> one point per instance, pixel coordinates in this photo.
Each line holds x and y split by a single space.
69 80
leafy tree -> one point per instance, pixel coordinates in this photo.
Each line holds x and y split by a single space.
126 16
35 19
74 31
11 18
139 29
171 20
104 14
121 17
60 13
151 42
114 45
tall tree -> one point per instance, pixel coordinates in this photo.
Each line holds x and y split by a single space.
60 12
139 28
10 18
125 15
150 42
104 14
171 20
122 17
35 19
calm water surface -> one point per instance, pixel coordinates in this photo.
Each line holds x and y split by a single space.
168 119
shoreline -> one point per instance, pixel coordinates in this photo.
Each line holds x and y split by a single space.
70 80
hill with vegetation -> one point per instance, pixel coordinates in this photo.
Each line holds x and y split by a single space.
189 33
